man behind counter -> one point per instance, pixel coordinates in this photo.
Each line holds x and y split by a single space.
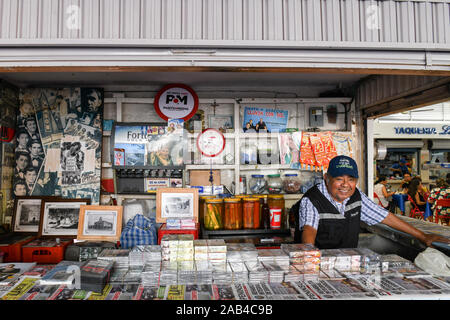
330 212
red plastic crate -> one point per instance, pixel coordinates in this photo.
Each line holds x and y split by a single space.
45 254
163 230
13 252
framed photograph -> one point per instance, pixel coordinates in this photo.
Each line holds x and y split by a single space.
100 223
27 213
176 203
197 122
59 217
220 122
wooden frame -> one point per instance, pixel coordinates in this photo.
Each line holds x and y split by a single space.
184 204
100 223
67 230
34 228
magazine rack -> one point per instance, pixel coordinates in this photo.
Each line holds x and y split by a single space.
146 156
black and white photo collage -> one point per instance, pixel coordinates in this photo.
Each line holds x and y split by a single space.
59 143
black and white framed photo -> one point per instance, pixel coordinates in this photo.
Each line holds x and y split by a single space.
27 213
176 203
59 218
100 223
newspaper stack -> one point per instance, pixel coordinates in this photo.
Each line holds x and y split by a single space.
151 254
305 257
185 249
187 273
11 272
277 256
239 252
61 274
136 258
118 276
239 271
169 273
370 260
217 250
343 261
95 274
150 274
256 272
328 259
293 274
220 272
394 261
200 250
204 271
355 258
133 276
169 242
275 271
119 256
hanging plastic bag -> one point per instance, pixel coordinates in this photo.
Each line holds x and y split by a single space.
139 231
306 152
434 262
330 148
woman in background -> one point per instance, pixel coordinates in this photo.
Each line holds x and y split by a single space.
381 191
414 191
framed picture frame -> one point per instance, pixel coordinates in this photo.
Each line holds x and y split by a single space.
100 223
60 217
27 213
189 125
176 203
221 122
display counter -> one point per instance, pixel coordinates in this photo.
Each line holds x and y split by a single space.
399 242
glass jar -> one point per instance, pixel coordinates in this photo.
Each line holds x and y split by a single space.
213 219
250 213
257 184
276 207
291 183
202 207
233 214
274 183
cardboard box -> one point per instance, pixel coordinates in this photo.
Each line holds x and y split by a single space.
201 177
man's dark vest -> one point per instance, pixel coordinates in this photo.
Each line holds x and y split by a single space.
336 230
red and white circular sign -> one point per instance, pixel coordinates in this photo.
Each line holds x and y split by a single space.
211 142
176 101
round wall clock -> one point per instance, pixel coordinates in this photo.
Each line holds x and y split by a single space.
211 142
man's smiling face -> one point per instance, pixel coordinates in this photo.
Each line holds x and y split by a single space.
341 187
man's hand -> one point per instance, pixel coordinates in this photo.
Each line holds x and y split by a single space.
394 222
429 238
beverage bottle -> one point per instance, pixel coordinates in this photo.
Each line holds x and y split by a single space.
265 215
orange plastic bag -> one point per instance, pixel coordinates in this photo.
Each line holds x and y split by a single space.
306 152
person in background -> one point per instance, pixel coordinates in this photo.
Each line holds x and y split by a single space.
404 185
399 168
414 188
442 191
382 193
422 189
20 188
330 212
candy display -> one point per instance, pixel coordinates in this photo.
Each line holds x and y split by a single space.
274 183
291 183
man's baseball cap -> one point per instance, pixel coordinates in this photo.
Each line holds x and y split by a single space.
342 165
